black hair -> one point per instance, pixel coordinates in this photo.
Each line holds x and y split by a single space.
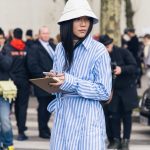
2 32
17 33
29 32
147 36
131 30
67 37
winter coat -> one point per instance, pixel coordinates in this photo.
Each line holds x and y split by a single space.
39 61
125 85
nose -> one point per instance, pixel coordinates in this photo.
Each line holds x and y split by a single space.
83 22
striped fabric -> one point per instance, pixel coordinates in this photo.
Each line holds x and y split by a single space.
79 120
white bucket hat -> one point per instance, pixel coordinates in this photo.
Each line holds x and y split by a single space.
75 9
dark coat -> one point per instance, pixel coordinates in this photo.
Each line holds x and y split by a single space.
29 43
13 64
5 65
125 86
133 46
39 61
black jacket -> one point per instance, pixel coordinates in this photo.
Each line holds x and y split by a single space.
5 65
13 64
125 85
29 43
39 61
133 46
124 59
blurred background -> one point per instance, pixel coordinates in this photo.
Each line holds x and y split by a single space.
35 13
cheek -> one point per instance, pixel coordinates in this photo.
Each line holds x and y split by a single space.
88 25
45 36
75 32
75 29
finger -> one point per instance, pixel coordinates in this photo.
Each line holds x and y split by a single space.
59 74
52 71
51 74
54 84
61 78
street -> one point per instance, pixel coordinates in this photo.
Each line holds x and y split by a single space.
140 138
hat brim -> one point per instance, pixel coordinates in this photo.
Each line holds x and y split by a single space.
76 14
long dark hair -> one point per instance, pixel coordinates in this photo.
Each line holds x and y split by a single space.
67 37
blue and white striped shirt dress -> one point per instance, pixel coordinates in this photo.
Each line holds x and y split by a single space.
79 122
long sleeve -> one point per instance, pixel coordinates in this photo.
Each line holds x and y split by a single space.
5 61
100 88
130 66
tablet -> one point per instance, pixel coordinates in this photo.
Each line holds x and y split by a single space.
43 83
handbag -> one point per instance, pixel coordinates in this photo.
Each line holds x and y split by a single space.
8 90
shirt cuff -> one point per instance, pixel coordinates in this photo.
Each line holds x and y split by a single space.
69 83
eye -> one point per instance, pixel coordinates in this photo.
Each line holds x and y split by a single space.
77 19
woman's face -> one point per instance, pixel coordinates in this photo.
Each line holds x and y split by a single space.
109 47
80 27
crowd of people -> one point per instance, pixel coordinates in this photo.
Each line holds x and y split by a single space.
20 61
95 76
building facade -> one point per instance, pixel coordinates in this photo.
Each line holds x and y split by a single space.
35 13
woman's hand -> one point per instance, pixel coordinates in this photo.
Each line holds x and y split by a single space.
50 74
55 86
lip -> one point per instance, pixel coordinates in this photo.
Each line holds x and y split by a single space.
82 31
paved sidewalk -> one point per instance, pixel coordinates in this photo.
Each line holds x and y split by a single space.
140 139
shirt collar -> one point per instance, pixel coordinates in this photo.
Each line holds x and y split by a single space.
86 43
43 42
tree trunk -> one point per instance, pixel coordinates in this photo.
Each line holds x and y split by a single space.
129 14
110 19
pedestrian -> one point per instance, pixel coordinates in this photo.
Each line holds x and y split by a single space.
29 38
82 65
19 74
146 42
6 134
9 37
133 46
39 60
2 38
124 98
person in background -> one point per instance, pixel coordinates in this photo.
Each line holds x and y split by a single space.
124 98
124 39
29 38
6 134
82 66
19 74
9 37
29 43
96 36
36 37
58 38
146 42
40 59
133 46
2 39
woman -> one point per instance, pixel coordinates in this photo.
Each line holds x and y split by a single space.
83 67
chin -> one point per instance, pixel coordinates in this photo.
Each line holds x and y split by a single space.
82 36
